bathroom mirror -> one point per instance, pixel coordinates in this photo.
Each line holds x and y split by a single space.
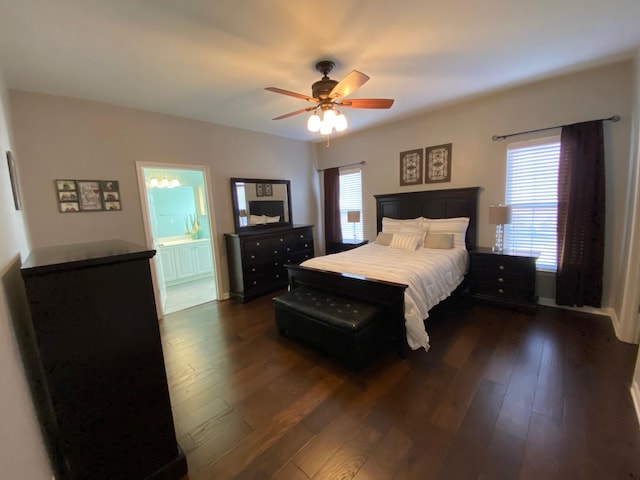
260 204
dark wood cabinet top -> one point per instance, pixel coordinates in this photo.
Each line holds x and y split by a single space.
69 257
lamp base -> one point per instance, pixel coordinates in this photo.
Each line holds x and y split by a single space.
499 246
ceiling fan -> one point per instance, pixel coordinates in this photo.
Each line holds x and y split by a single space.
328 95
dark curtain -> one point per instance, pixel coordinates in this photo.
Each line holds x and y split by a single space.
581 215
332 230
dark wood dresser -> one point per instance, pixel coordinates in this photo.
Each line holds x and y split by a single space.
94 357
257 260
506 279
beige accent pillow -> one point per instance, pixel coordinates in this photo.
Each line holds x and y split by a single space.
456 226
439 240
405 241
419 230
384 239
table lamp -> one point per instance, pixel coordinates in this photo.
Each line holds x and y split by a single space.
499 215
353 216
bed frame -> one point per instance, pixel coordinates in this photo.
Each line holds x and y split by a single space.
389 296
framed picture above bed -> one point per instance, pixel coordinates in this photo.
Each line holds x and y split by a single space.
411 167
438 164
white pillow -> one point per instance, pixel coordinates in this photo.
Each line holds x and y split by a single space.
393 225
257 219
405 241
457 226
275 219
420 231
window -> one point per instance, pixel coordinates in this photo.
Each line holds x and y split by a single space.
532 192
351 200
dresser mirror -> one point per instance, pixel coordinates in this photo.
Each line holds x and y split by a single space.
260 204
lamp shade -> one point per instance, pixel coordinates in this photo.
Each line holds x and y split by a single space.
499 214
353 216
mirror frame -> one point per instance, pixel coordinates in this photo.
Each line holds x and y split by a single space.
236 210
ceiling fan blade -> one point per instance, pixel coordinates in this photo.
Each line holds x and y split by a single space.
291 114
291 94
367 103
348 84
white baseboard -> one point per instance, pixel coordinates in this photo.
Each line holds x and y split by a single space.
635 395
607 312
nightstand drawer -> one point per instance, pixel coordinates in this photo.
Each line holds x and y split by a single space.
503 265
498 279
504 292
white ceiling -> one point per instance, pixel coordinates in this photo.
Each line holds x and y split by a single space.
211 59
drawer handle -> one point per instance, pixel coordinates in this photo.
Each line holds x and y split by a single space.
276 264
253 269
288 249
282 239
253 256
257 244
301 236
278 276
255 283
275 251
501 267
500 290
306 245
500 279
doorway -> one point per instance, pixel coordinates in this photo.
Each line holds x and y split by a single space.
178 225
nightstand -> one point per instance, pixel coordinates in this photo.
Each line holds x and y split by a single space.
507 278
335 247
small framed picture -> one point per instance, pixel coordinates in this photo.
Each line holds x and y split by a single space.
112 206
411 167
65 185
268 190
259 189
67 207
438 164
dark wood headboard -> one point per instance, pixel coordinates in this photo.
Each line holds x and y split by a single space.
454 202
270 208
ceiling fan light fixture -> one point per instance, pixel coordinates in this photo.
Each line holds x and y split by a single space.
314 122
340 123
325 128
329 117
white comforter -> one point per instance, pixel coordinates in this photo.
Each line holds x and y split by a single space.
431 276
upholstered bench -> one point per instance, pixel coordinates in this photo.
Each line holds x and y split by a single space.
342 328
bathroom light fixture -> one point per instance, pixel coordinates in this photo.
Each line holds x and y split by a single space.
153 182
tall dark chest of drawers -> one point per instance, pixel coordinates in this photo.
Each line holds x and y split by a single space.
94 357
257 260
507 278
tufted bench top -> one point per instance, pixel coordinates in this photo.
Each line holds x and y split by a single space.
337 311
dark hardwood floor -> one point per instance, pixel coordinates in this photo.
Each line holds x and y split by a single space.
500 395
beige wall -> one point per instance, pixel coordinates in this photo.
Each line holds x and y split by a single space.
633 294
59 137
22 453
479 161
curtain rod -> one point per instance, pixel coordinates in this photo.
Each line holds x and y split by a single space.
340 166
497 138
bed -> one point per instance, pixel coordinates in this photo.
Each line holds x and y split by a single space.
386 288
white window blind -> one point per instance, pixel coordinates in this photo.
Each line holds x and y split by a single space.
532 192
351 200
